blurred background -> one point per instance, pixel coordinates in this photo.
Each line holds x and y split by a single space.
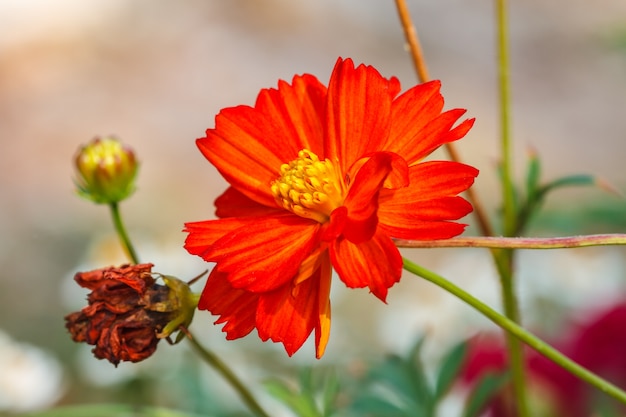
154 73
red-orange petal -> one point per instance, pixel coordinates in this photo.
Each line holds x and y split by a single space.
289 314
266 252
431 179
419 143
233 203
203 234
235 307
418 229
376 263
358 112
248 145
297 114
322 326
362 199
410 112
423 210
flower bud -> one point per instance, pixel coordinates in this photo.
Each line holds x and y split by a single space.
128 313
107 171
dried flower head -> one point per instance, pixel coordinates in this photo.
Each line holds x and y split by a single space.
128 312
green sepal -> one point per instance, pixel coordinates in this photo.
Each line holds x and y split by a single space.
182 302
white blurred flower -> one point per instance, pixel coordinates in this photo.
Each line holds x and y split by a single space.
31 379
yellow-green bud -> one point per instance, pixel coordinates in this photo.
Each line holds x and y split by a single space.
106 171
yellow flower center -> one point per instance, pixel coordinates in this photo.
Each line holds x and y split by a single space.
309 187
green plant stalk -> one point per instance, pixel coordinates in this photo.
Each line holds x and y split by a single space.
519 332
504 258
229 375
121 232
504 265
563 242
508 192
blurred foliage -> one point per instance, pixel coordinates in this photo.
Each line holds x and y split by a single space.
399 386
111 410
484 390
314 395
599 215
531 196
616 38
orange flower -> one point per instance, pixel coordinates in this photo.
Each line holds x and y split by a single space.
323 178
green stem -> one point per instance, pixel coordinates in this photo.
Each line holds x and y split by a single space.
504 257
229 375
518 242
505 122
519 332
121 232
504 265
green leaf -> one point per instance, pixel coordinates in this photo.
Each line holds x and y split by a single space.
397 387
483 392
314 395
421 386
533 173
516 192
300 404
405 380
379 407
570 180
449 369
330 393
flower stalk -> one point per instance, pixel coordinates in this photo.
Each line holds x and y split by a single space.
413 41
419 62
518 332
504 258
120 229
508 193
564 242
504 264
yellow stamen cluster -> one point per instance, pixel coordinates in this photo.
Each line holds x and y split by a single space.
309 187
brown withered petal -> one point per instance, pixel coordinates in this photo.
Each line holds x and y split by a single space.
119 319
137 277
132 339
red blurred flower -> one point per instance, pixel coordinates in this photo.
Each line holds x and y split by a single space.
323 178
552 390
597 344
128 312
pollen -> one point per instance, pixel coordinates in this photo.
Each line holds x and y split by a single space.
309 187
